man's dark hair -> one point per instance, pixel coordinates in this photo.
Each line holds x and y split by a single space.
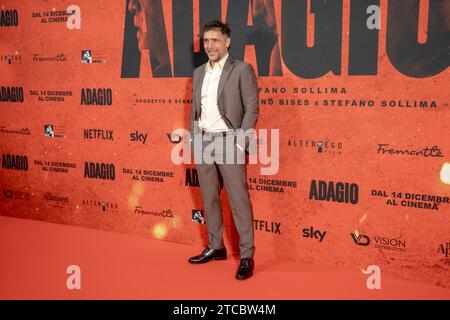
217 24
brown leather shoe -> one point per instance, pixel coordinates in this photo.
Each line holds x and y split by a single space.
209 254
245 269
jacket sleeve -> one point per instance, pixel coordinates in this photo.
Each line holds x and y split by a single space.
192 116
249 96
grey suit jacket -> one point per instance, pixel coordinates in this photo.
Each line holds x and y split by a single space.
237 95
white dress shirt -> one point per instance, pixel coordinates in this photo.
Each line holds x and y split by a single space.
210 118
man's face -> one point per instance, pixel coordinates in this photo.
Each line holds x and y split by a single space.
137 7
216 44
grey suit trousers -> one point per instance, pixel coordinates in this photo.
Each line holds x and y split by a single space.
235 181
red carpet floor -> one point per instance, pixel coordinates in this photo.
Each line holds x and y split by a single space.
34 257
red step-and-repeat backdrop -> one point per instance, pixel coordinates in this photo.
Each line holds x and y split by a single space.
95 100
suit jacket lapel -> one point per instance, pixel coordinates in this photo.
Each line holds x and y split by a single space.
224 76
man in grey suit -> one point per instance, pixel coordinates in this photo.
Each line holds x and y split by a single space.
225 108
